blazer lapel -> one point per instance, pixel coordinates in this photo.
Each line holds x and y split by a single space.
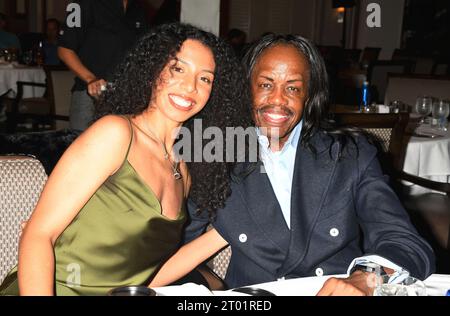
312 176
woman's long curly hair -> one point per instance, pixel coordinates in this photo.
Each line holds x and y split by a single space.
136 77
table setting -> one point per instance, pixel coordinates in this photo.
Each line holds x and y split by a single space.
434 285
11 72
428 150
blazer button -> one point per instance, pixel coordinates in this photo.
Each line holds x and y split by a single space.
319 272
334 232
242 238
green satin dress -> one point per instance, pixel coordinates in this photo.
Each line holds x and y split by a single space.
119 238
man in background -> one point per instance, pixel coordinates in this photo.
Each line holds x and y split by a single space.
50 45
92 50
7 39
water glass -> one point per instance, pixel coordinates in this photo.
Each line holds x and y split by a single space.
423 106
440 112
406 286
396 106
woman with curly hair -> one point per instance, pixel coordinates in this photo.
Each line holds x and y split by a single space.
112 211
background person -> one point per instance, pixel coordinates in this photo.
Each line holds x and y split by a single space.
108 29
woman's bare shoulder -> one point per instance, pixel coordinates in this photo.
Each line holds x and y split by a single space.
107 139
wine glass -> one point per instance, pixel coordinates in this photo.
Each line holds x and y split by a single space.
423 106
440 112
403 285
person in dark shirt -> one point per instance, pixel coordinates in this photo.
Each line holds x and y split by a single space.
52 29
7 40
93 49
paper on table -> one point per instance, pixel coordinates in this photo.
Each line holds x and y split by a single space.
437 284
187 289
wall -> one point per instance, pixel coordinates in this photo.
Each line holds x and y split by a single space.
388 36
317 20
303 18
57 9
204 14
313 19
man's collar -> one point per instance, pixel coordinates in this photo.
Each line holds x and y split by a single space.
292 140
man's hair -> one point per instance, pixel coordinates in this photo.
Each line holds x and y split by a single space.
229 103
316 104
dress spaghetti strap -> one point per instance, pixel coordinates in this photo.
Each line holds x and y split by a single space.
131 139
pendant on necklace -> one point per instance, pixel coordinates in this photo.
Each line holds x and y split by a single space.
177 175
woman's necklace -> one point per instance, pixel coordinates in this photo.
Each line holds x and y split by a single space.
174 165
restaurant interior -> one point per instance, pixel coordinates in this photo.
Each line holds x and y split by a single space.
389 67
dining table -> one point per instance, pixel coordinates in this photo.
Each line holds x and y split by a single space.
10 73
428 156
436 285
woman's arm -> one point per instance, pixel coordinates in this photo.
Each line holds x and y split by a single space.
188 257
86 164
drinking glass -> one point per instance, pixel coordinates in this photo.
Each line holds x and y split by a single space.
132 291
423 106
440 112
27 57
405 286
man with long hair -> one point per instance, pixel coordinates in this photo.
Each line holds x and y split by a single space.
322 206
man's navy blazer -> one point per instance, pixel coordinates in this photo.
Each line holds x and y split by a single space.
341 208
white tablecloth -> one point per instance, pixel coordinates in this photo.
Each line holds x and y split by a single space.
10 74
437 285
428 158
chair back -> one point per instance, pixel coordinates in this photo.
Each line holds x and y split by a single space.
388 131
22 179
423 65
441 68
221 261
370 55
378 75
407 88
60 81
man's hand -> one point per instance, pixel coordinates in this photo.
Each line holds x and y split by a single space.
358 283
95 87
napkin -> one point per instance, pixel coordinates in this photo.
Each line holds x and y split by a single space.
187 289
427 129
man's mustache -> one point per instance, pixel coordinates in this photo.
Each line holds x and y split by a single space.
285 110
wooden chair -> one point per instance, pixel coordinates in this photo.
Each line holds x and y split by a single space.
369 55
386 130
378 75
43 111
